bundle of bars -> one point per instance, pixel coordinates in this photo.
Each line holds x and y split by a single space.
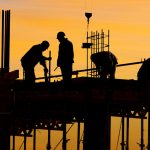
5 42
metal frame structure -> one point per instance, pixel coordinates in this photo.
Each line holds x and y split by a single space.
5 41
51 107
100 42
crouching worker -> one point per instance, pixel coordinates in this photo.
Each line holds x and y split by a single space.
144 71
105 63
32 58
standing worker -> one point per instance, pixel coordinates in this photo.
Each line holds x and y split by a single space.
32 58
65 57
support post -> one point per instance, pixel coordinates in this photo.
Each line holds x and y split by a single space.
127 134
87 55
7 41
64 146
148 130
25 138
2 52
13 142
97 129
4 132
48 143
13 137
142 133
78 136
34 138
122 143
49 76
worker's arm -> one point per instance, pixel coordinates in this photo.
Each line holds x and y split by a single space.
47 58
43 63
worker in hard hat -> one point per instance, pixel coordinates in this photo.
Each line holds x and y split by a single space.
65 57
32 58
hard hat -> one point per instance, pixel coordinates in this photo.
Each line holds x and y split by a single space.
60 34
45 43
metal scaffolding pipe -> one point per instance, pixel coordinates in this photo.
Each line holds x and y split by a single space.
48 143
122 143
148 130
127 134
78 136
64 144
2 52
34 138
7 40
142 133
25 138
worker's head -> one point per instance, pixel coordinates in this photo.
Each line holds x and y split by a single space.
60 35
45 45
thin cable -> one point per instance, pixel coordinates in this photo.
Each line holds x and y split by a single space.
62 138
88 5
119 134
21 145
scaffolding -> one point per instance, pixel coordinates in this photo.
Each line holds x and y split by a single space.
98 42
90 100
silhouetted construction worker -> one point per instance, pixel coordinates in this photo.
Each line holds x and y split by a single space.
105 63
32 58
65 57
144 71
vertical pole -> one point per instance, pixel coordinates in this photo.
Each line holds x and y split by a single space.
13 142
98 50
2 58
122 144
142 133
91 54
127 134
78 138
103 41
98 41
108 40
148 130
34 138
25 138
96 44
87 52
48 144
7 40
49 78
64 136
91 38
4 132
13 148
97 129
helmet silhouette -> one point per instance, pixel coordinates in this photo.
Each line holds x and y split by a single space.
60 34
45 44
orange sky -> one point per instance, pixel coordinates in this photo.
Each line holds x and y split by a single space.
35 20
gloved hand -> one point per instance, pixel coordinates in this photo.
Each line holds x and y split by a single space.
45 70
49 58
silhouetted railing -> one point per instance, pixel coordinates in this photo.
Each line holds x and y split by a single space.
76 72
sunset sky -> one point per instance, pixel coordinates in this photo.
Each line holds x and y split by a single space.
33 21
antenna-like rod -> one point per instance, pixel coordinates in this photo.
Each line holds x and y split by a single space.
88 16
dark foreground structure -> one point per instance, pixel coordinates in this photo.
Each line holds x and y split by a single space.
51 106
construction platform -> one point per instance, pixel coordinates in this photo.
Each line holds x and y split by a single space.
91 101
